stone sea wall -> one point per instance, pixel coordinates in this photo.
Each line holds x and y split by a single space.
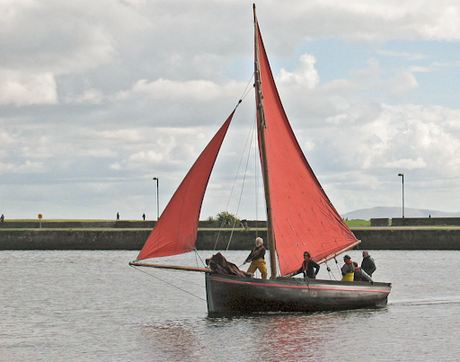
115 239
214 239
108 224
416 221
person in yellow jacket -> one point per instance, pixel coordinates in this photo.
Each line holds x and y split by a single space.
256 257
348 269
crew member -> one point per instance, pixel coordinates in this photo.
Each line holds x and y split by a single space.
368 264
348 269
256 257
309 267
360 275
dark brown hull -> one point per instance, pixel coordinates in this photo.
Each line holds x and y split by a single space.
233 295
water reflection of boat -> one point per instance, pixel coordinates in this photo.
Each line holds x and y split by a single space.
299 217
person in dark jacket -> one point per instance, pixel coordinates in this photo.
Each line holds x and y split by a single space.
309 267
257 259
368 264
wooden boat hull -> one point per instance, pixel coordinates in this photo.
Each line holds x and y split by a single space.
232 295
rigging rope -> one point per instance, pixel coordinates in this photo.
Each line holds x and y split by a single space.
243 96
331 274
337 265
197 254
248 88
256 175
243 181
170 284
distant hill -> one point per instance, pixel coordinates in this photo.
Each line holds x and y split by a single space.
391 212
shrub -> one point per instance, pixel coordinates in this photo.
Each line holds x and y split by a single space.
224 218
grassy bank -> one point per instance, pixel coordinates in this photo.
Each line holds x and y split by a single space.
44 221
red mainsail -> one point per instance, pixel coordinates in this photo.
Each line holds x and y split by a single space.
303 217
176 230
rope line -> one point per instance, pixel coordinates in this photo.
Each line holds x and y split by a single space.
248 88
243 96
246 147
256 172
331 274
198 256
168 283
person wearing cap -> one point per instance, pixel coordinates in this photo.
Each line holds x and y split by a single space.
309 267
348 270
368 264
256 257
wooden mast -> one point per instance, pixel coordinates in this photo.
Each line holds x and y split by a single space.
261 129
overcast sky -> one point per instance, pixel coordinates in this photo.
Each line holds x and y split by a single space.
98 97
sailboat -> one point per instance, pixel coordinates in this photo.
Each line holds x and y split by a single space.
300 217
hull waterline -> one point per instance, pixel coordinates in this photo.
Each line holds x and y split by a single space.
232 295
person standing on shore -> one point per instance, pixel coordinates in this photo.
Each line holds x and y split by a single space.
2 218
256 257
368 264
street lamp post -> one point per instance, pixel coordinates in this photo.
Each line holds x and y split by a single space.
158 196
402 179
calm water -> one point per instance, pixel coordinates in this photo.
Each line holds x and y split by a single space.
91 306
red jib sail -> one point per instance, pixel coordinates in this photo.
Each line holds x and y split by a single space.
176 230
303 217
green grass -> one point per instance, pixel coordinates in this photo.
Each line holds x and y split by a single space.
348 222
358 222
65 220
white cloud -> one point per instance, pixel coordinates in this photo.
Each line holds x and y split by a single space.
201 90
100 153
373 77
62 37
419 69
23 89
90 96
126 135
304 74
146 157
6 168
161 147
401 84
336 120
30 167
408 137
6 140
115 166
308 146
108 93
408 164
446 65
26 168
373 20
409 56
